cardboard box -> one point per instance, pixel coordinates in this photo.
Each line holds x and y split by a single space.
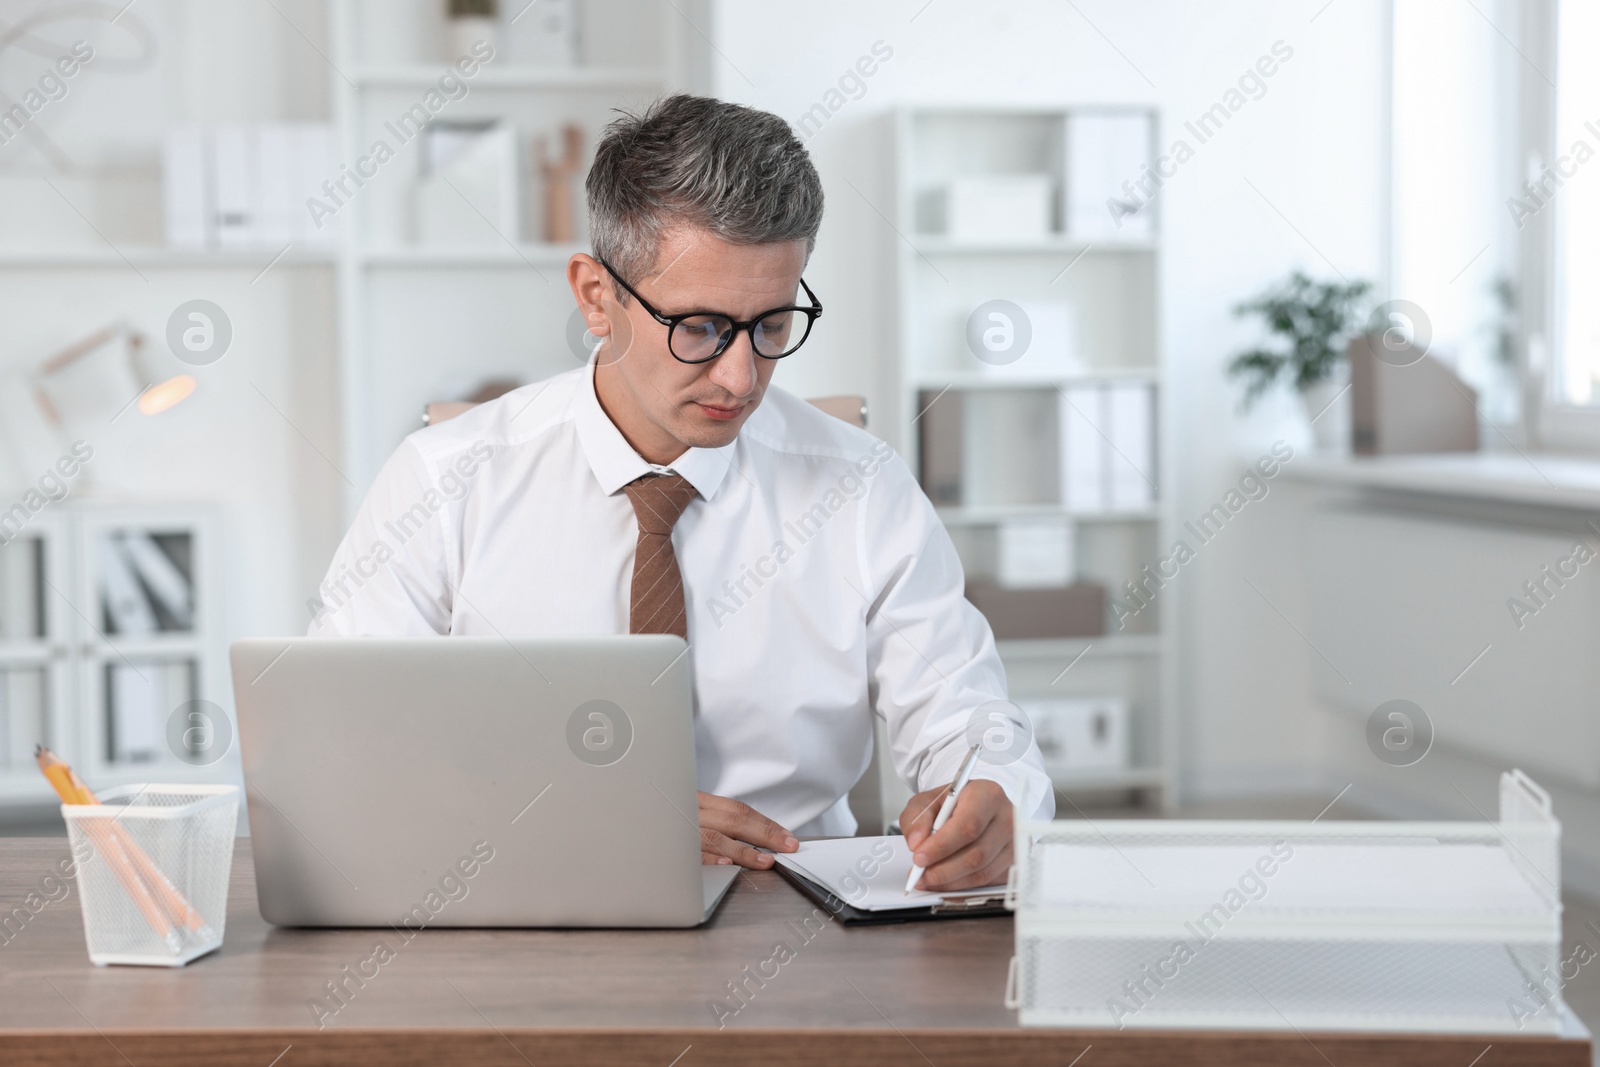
1077 610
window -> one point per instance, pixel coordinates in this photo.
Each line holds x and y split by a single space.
1570 185
1452 158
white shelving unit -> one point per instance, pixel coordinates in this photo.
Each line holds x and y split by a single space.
61 647
1112 288
439 319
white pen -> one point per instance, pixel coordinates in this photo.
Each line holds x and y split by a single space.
962 774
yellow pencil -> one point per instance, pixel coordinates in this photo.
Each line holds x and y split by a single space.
127 859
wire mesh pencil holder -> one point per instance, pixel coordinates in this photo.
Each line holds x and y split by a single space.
152 868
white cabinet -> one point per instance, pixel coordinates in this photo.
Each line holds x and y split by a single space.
110 650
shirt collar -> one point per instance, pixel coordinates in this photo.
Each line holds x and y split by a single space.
614 461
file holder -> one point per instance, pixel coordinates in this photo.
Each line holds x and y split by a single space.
1378 930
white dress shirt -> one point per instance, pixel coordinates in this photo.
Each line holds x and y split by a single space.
820 585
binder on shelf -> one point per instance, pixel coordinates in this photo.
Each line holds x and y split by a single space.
313 165
1131 457
939 429
22 714
185 193
1082 441
240 185
237 217
20 588
167 585
127 609
135 715
1008 457
276 166
1107 155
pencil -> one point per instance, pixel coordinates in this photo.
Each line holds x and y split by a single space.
127 859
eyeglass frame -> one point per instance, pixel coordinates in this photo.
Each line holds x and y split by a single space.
812 314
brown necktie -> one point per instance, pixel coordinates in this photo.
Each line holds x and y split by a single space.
656 603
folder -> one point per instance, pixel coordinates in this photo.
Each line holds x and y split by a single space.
22 713
20 561
1107 154
185 196
126 606
167 585
276 168
238 196
940 430
861 880
136 718
1083 469
1131 457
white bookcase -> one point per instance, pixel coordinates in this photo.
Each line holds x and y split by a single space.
99 684
1010 421
438 319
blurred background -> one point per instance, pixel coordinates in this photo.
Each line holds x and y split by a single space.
1248 350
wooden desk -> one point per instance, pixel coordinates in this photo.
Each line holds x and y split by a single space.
896 996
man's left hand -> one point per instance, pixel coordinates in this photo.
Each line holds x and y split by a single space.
972 849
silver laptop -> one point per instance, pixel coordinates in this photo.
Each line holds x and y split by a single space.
473 781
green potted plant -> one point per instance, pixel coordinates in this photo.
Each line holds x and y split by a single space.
1310 323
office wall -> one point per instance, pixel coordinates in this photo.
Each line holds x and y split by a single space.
1293 179
254 436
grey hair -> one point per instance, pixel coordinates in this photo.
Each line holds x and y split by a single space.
738 173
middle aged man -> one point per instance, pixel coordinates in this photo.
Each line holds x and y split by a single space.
668 487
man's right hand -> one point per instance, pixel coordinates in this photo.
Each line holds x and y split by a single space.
729 829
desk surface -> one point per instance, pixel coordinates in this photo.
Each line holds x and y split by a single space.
914 995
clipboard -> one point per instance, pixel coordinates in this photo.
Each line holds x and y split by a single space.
954 908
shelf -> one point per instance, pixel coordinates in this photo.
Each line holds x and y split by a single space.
995 514
28 653
424 76
937 245
157 256
1118 646
1533 478
524 255
143 646
974 380
1094 781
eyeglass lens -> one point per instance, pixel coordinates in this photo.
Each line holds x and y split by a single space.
702 336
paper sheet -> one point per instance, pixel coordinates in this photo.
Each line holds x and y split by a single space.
868 873
1405 877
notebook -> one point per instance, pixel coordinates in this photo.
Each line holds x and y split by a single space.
867 875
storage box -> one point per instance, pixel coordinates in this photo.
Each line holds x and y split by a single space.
1077 610
998 207
1373 926
1034 553
1052 350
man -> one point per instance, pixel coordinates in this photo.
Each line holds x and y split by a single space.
667 487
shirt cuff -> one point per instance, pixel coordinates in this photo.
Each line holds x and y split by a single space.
1027 787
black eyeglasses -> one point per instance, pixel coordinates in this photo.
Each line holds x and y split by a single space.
701 336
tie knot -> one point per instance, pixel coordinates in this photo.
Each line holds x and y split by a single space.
659 500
